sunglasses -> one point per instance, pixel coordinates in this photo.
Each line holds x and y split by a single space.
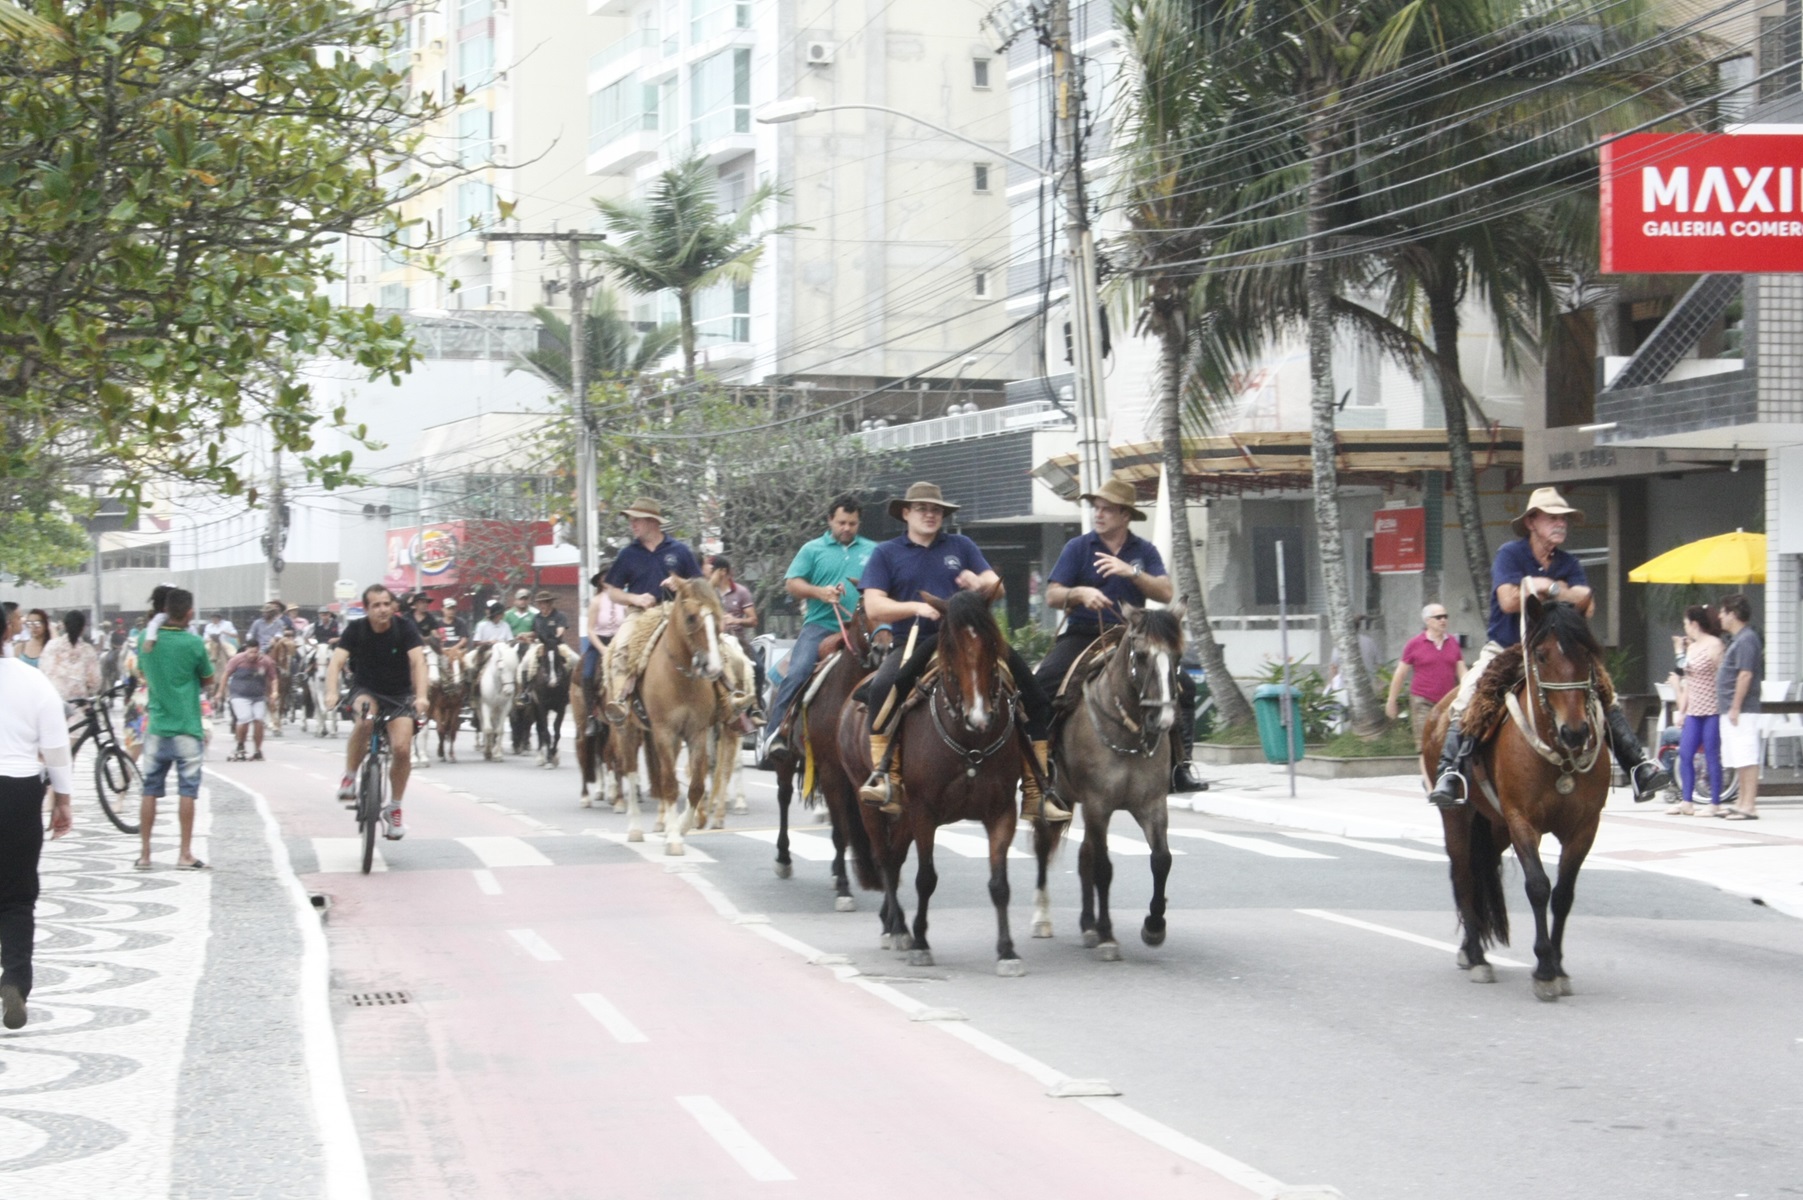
1436 616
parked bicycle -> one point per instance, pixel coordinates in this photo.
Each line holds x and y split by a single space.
117 780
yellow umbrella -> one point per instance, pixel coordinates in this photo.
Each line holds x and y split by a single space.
1728 558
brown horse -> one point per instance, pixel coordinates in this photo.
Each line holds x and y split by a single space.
961 759
281 650
446 699
683 709
845 660
1544 770
606 750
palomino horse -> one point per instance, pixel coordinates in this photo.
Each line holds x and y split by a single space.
497 674
846 658
1113 754
683 707
447 698
545 693
961 760
1544 770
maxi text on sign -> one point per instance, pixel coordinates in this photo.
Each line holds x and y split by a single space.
1399 541
1698 202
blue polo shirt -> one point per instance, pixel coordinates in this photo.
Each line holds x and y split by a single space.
902 569
1515 562
1076 567
823 562
642 572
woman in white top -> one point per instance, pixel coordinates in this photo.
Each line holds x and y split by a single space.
34 740
71 663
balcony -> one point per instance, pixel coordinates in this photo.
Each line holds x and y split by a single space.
631 53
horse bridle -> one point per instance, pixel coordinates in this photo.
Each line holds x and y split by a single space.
973 758
1142 738
1571 763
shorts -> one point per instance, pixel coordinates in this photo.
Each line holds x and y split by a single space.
1740 743
395 707
245 710
180 751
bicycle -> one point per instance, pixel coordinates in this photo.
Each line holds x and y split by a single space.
117 779
373 775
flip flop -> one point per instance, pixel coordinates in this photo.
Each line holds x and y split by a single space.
143 864
1681 810
1734 814
196 865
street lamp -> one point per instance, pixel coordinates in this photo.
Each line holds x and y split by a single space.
1080 252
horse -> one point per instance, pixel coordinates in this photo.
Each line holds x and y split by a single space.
604 753
683 707
316 693
545 683
282 651
1114 753
496 672
299 695
961 760
846 659
446 701
1540 768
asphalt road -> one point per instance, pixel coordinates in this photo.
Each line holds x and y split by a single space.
1304 1016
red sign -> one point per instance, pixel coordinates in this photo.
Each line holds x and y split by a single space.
1689 203
465 555
1399 541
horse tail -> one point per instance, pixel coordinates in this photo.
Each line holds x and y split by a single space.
863 858
1489 910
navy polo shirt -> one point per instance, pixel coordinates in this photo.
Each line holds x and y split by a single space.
902 569
642 572
1077 568
1514 563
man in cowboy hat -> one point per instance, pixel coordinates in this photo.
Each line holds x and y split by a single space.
551 625
928 559
1096 573
1534 564
654 559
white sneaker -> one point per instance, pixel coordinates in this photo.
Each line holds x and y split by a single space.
394 831
347 791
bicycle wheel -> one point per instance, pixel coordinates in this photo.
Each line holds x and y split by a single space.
371 799
117 781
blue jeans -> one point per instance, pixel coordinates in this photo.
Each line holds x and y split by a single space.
179 751
802 658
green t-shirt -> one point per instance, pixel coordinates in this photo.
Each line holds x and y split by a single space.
520 622
823 562
174 667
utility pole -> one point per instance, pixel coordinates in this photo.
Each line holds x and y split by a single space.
419 519
587 499
274 541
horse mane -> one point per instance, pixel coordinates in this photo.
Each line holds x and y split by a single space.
702 592
968 613
1564 622
1162 626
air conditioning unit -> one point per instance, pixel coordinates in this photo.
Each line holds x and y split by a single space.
820 54
497 297
360 279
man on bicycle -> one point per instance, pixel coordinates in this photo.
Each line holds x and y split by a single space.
388 666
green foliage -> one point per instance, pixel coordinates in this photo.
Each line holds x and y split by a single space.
615 349
1233 735
39 547
1031 638
1394 741
1319 711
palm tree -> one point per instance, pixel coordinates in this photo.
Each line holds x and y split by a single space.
19 24
614 350
678 240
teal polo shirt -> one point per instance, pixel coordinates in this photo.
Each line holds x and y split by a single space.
823 562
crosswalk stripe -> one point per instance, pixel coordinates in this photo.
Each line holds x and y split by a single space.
505 852
969 845
611 1018
535 945
1390 848
805 846
1255 845
725 1129
343 856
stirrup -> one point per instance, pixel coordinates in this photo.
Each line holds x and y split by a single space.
1661 780
1442 797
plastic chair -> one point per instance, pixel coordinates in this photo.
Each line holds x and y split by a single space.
1778 728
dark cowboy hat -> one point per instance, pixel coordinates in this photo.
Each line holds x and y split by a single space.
544 596
1119 493
921 493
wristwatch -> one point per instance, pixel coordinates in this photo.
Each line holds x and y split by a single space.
1135 574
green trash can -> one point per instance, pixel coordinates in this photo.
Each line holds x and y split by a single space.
1267 704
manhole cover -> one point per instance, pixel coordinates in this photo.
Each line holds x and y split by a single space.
378 999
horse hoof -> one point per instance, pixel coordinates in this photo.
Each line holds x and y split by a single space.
1042 929
587 803
674 848
1564 985
887 942
1483 973
1464 960
904 941
635 835
1010 968
845 904
1091 939
619 808
920 958
784 870
1109 952
1546 989
1151 936
658 828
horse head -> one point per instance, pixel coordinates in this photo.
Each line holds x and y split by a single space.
1562 657
696 619
1148 658
971 648
870 646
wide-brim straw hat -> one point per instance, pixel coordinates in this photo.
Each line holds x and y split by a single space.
921 493
644 508
1119 493
542 597
1546 500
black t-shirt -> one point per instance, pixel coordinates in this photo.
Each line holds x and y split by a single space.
550 627
379 660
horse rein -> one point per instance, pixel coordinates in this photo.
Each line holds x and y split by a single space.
1570 764
1143 738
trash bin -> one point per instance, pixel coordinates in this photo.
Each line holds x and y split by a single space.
1267 704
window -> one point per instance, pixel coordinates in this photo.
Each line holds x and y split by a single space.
711 18
720 95
979 178
475 204
723 314
1264 566
475 136
393 295
149 557
475 43
979 73
981 284
621 109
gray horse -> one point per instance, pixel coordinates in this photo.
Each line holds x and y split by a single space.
1114 753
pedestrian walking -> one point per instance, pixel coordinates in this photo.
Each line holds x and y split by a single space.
1737 697
175 667
70 662
34 742
1700 652
1432 664
12 628
249 683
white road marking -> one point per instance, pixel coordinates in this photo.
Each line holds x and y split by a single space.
1389 848
344 856
1255 845
610 1017
505 852
1127 847
724 1128
652 848
1401 935
487 882
534 945
810 847
969 845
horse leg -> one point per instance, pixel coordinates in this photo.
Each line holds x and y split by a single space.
1001 836
890 852
842 897
739 805
1086 879
1465 871
1539 889
926 880
1042 896
785 790
1571 857
634 830
1155 825
1095 834
694 816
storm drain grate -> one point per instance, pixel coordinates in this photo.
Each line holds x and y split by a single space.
378 999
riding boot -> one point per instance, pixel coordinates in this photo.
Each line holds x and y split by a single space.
1451 789
1183 749
1033 803
883 789
1645 776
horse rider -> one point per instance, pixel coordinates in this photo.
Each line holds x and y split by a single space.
519 619
326 629
651 563
388 668
605 616
268 627
928 559
1096 573
1534 564
416 608
453 630
550 625
491 631
822 573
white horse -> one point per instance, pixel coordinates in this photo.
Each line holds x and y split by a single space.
497 683
316 687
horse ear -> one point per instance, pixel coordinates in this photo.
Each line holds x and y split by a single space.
1534 608
1180 610
1128 611
935 602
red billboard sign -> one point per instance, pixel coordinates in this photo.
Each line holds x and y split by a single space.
465 555
1690 203
1399 541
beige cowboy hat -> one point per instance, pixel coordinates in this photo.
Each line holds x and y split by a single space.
921 493
1119 493
644 508
1546 500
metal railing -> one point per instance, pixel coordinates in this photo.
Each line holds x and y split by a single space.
1011 418
638 39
